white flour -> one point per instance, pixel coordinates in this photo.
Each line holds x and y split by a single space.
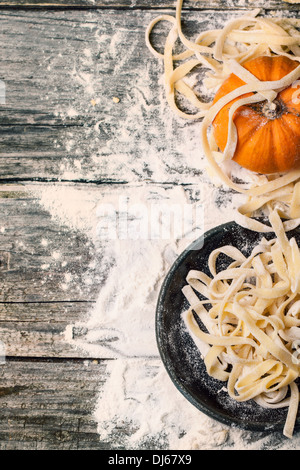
137 255
155 410
138 393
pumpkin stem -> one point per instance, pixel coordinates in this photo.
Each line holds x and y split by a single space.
272 110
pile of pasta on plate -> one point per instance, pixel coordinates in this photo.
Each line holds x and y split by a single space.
250 136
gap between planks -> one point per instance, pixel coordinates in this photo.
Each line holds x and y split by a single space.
145 5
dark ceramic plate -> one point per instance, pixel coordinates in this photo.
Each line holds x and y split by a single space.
179 354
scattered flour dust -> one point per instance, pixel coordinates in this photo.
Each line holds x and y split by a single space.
138 394
154 409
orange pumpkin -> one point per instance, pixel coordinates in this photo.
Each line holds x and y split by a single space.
268 139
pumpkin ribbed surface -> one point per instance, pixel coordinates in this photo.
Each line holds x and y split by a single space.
268 137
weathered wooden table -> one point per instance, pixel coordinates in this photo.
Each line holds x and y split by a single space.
77 119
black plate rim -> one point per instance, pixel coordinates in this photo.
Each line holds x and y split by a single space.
204 408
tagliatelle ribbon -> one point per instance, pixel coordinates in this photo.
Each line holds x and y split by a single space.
251 313
251 310
220 52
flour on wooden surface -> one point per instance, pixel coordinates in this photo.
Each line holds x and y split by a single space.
155 397
138 391
140 395
135 261
123 140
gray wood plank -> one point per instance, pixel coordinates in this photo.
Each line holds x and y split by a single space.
54 263
46 269
60 121
40 329
50 123
143 4
53 313
49 405
42 260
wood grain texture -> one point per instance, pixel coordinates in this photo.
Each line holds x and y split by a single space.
62 63
50 405
53 261
42 255
47 401
39 329
45 273
60 122
52 130
144 4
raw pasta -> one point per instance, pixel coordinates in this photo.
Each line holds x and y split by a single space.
251 310
251 314
220 52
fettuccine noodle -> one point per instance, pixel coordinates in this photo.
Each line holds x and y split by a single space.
251 313
251 310
221 52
